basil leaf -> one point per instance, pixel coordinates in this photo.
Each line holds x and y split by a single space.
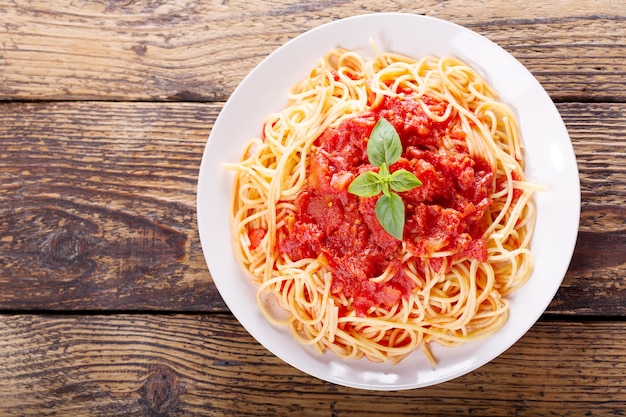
365 185
390 213
384 145
383 149
403 180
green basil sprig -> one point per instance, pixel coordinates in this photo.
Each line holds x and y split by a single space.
383 149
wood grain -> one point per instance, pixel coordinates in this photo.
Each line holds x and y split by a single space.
181 365
199 51
593 284
97 207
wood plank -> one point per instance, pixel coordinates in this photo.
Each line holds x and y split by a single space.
596 133
97 207
181 365
199 51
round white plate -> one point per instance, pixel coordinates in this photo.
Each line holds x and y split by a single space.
550 161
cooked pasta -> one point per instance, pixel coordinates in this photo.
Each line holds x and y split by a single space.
324 265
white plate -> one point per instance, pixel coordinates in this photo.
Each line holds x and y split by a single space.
550 161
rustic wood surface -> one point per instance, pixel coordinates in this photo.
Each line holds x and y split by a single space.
188 365
106 305
104 193
199 51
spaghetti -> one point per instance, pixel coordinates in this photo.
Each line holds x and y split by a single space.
325 267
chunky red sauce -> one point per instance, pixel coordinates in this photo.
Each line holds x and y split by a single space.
342 229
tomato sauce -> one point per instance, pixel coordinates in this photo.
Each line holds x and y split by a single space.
341 229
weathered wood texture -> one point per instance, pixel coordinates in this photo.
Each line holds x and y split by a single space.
190 51
97 207
208 365
595 281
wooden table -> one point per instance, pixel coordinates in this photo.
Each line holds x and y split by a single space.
107 305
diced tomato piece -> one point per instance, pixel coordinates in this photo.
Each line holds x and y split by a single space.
255 236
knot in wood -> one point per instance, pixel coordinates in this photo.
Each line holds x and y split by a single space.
161 390
66 248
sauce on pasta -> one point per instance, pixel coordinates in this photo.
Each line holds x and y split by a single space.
342 230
